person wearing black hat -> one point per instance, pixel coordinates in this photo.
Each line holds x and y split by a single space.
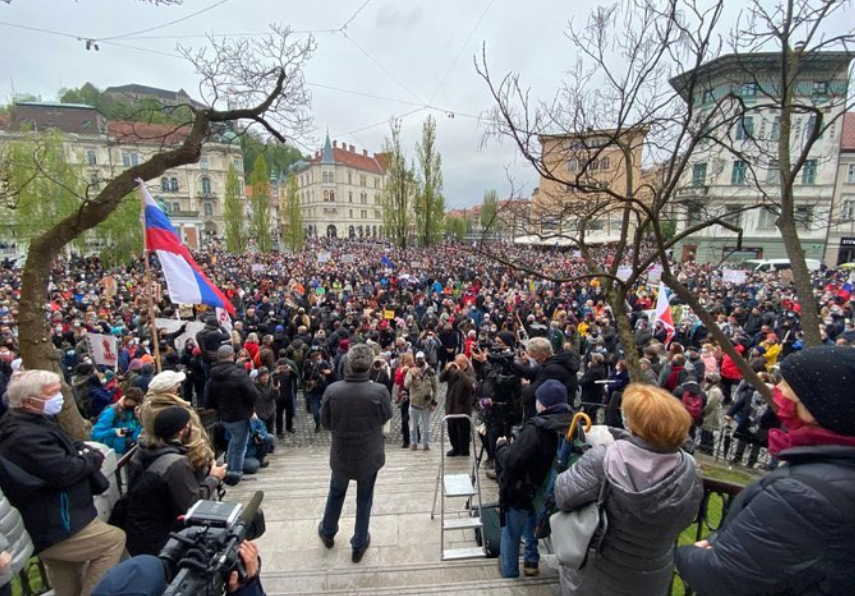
522 467
162 484
791 532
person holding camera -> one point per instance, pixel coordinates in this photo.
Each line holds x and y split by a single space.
162 484
522 466
55 478
423 386
118 426
319 375
459 400
285 377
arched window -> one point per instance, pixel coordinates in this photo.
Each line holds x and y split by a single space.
173 184
206 186
208 209
332 196
164 184
351 233
326 195
605 163
360 231
374 231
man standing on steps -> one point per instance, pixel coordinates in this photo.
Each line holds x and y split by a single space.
355 410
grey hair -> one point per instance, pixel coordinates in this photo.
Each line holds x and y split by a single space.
539 345
359 358
30 383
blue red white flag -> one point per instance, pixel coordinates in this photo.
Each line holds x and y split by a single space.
186 282
663 312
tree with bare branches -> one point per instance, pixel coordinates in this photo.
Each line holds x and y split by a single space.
257 82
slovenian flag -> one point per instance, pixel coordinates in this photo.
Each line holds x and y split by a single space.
663 312
185 281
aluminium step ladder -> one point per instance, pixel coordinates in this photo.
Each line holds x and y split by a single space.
457 486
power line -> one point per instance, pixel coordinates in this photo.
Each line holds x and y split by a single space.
363 94
354 15
164 25
382 68
39 30
462 49
381 123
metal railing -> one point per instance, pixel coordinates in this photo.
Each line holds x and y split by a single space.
709 519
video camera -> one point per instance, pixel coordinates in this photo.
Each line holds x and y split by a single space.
201 556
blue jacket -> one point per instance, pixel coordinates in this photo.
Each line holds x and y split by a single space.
110 419
787 534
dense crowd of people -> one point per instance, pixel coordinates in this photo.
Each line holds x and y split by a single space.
426 328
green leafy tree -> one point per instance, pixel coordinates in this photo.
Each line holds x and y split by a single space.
294 235
490 211
259 204
456 227
233 214
430 204
279 156
401 187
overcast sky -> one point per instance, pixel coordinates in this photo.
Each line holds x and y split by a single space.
415 43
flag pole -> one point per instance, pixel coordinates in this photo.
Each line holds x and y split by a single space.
148 285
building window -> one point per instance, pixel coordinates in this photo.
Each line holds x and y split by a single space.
376 198
164 185
363 180
748 90
332 196
350 177
203 163
206 186
699 174
775 134
572 165
91 157
351 214
238 165
364 214
94 181
809 172
848 212
745 128
376 182
326 196
176 207
737 176
766 219
208 209
850 174
130 158
173 184
820 87
350 196
605 163
803 216
732 214
708 96
812 124
773 174
593 165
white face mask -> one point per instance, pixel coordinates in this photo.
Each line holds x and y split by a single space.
53 405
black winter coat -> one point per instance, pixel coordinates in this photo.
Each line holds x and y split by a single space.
523 465
562 367
209 341
155 500
40 447
231 392
355 410
788 534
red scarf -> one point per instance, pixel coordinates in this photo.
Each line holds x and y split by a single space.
806 436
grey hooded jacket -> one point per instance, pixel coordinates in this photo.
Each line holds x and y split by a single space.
654 495
13 539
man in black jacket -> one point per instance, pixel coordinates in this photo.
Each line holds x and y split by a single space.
209 341
562 367
231 392
522 467
355 410
53 487
162 484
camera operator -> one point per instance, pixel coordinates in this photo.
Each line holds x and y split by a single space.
118 426
162 484
562 367
319 375
500 388
146 575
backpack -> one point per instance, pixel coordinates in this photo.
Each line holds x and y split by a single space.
694 405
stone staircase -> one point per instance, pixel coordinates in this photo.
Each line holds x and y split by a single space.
404 557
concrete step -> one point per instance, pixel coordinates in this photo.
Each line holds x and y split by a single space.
469 577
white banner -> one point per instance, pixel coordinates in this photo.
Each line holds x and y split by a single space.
173 325
103 349
345 259
734 276
324 256
624 272
224 319
257 268
654 274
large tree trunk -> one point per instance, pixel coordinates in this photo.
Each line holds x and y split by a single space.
711 325
617 300
810 321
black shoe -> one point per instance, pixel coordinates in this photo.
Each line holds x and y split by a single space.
405 446
232 478
317 428
264 464
291 430
357 554
280 435
328 542
452 453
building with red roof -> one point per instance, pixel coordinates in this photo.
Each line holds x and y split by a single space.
341 191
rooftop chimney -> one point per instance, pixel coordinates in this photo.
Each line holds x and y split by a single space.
335 144
352 149
365 152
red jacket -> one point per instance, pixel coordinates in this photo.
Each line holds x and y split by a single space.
729 370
